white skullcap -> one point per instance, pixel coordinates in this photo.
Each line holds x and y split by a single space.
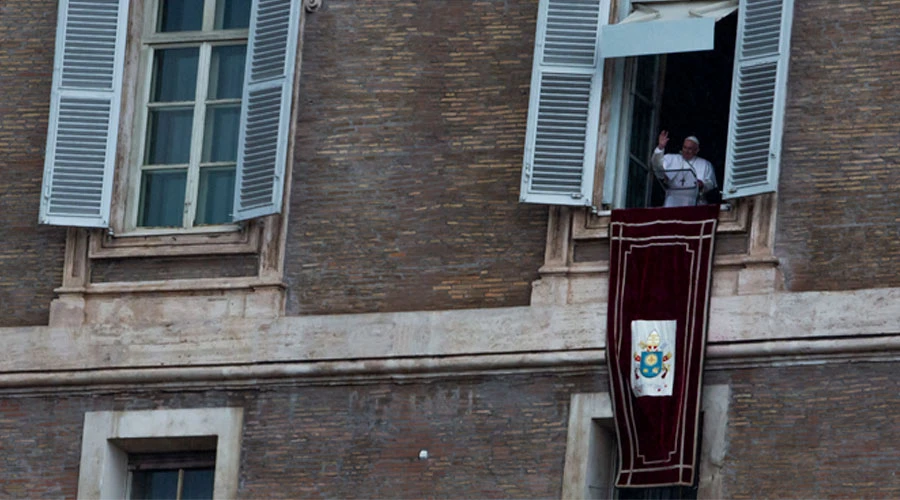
694 139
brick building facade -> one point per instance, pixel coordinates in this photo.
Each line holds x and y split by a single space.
404 300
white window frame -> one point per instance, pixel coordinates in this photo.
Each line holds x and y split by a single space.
149 41
108 435
615 186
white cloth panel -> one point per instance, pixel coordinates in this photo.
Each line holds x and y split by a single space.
653 357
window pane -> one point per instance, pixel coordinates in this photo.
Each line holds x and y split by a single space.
231 14
169 136
216 196
198 484
636 195
154 484
162 198
221 134
226 78
174 75
641 119
180 15
645 80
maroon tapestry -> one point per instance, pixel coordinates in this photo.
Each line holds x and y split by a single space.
660 269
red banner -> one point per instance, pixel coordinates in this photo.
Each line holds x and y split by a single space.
659 282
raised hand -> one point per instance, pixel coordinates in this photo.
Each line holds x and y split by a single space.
663 139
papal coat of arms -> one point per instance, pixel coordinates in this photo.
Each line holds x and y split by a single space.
653 348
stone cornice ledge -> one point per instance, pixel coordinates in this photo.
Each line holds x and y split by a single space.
761 326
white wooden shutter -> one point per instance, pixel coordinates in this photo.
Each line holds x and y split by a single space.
564 108
758 95
266 107
84 112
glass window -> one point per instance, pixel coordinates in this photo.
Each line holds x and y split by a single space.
192 113
175 476
216 197
174 74
163 198
180 15
232 14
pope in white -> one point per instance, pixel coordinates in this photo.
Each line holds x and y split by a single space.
686 176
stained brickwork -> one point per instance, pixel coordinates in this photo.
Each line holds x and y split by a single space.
31 256
839 200
502 437
408 158
797 432
822 431
171 268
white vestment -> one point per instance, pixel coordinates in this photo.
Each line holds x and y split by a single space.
680 177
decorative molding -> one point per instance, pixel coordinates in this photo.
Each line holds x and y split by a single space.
238 240
755 271
719 357
587 225
783 327
181 285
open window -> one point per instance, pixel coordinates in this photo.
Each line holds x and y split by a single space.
211 120
714 69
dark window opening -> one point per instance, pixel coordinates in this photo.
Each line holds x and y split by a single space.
692 97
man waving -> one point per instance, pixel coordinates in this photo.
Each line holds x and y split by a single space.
686 176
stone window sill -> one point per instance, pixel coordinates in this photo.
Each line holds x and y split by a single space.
232 239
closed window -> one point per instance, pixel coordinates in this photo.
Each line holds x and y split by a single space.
176 476
171 454
206 143
194 80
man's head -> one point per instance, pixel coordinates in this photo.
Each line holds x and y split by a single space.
690 147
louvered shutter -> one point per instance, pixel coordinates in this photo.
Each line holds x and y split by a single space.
564 108
758 95
266 107
84 112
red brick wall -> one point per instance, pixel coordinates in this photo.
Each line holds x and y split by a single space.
408 158
827 431
799 432
487 438
839 199
31 255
